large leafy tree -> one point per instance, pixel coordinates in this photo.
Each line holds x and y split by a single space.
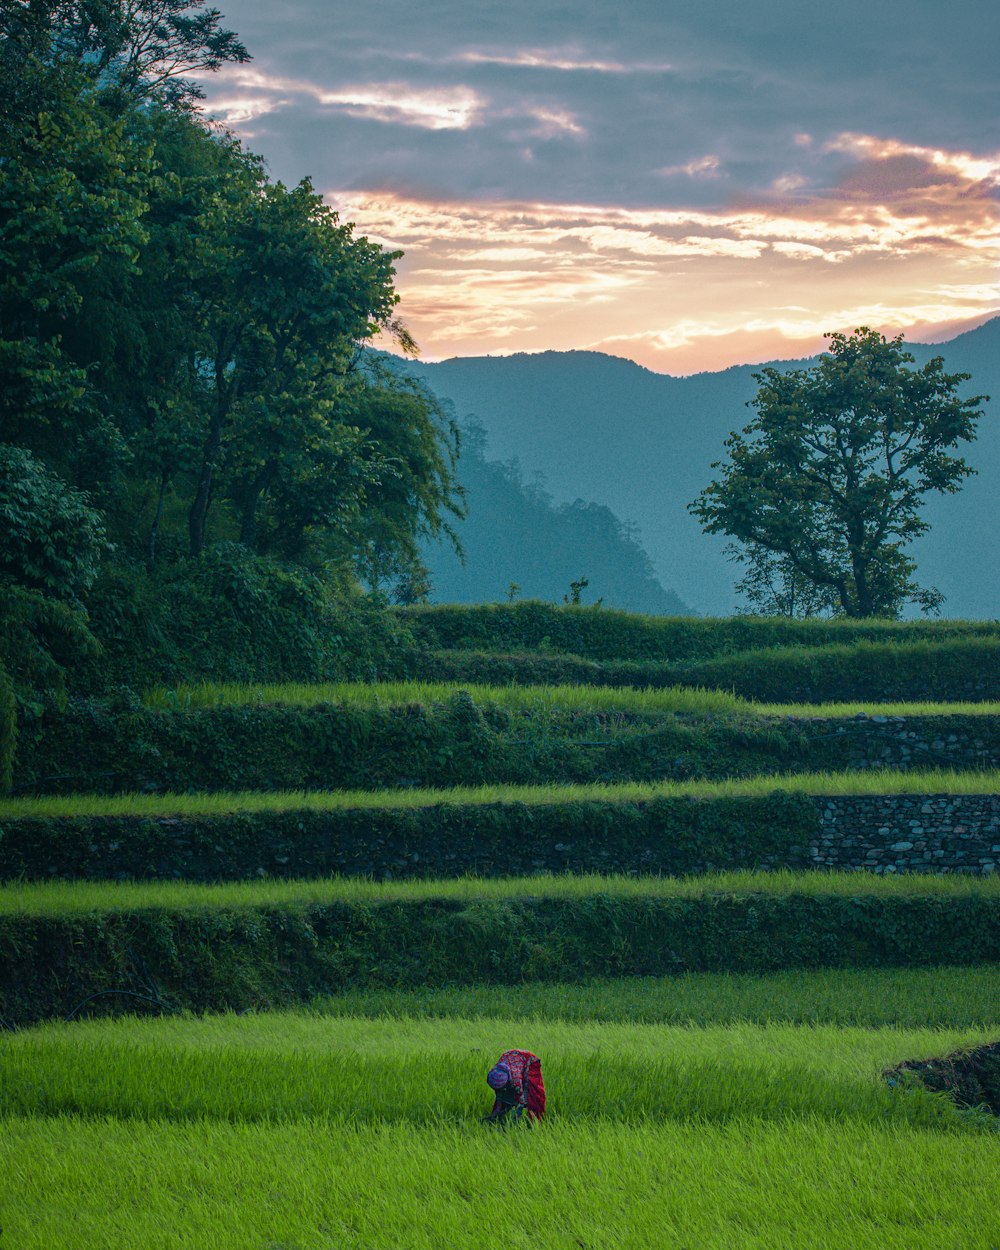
289 296
828 481
181 338
72 199
415 491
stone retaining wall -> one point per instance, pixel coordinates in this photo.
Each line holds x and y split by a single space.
865 742
908 833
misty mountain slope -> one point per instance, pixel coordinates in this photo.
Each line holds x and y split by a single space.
516 533
643 443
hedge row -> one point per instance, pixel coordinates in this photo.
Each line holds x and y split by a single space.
664 835
235 957
609 634
955 669
88 747
537 668
8 730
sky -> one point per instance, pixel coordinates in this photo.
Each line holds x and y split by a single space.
687 183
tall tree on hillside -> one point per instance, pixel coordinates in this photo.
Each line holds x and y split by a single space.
832 473
289 294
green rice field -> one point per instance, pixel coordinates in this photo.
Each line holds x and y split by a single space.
533 699
360 1070
870 781
913 998
355 1123
72 1184
67 897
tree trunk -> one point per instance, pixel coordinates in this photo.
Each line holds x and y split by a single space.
154 529
198 516
248 521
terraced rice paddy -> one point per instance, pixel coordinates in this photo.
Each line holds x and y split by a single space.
66 897
535 699
700 1111
320 1128
873 781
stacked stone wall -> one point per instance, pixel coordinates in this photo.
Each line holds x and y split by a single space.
908 833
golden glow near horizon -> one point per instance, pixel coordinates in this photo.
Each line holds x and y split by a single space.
685 290
847 229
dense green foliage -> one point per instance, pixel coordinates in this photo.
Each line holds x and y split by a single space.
364 744
666 835
951 669
52 540
825 486
610 635
232 946
191 447
233 617
8 730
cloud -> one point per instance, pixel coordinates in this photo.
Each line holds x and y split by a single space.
566 175
454 108
984 170
721 283
554 59
253 92
700 167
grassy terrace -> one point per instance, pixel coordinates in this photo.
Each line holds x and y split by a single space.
73 1184
279 1066
72 897
874 781
902 998
536 699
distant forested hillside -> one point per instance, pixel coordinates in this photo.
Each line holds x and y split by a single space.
516 533
642 443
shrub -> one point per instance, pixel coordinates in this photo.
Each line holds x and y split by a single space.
953 669
91 746
53 539
41 641
949 670
234 616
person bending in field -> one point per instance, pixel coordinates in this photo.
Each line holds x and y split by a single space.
518 1088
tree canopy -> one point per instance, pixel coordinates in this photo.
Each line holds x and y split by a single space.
823 489
182 337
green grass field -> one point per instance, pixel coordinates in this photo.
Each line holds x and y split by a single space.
359 1070
66 897
870 781
72 1184
913 998
534 699
355 1124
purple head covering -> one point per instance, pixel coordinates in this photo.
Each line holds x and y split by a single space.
498 1076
